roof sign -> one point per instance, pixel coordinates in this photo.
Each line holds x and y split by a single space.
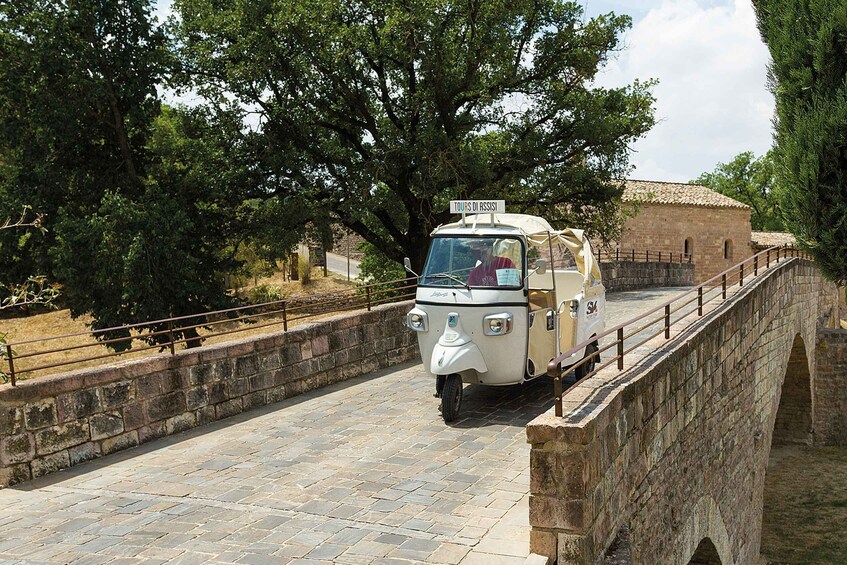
477 207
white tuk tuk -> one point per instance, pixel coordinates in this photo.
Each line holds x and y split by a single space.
500 296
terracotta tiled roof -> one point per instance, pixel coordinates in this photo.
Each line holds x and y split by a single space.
679 194
765 239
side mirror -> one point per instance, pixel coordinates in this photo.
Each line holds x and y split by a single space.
408 265
540 267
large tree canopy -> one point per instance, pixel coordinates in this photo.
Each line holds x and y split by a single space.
749 179
807 40
380 111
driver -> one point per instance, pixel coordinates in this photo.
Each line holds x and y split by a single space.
485 272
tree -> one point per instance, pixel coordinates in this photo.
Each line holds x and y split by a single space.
35 289
749 180
380 112
808 40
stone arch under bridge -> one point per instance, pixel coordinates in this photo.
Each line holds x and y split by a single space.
674 451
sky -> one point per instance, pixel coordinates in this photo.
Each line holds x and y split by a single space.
712 100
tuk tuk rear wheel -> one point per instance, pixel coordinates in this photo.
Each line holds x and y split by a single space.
591 365
451 397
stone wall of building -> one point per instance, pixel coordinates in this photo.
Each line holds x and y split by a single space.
674 451
51 423
831 388
665 227
632 275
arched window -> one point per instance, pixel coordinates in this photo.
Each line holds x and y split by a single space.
689 247
727 249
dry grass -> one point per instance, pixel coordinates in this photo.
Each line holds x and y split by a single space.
806 506
60 323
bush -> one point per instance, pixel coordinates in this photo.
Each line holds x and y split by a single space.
304 269
264 293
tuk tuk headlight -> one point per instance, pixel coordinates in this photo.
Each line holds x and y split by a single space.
497 324
417 321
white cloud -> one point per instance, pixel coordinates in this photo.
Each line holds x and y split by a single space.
712 99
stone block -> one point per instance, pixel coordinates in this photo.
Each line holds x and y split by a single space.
290 354
306 350
217 393
201 374
82 453
154 430
544 543
255 399
205 415
11 420
173 380
134 416
117 394
40 414
118 443
17 449
269 361
276 394
237 387
551 512
222 369
196 397
180 423
260 381
106 425
14 474
228 408
78 404
50 464
320 345
166 406
246 366
148 386
556 473
59 438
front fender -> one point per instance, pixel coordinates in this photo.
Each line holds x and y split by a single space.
455 359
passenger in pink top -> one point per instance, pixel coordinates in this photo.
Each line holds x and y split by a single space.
485 274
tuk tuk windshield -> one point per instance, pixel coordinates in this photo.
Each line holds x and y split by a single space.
474 262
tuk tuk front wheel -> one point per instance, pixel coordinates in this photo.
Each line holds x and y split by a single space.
591 365
451 397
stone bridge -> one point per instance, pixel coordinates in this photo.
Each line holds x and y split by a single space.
665 462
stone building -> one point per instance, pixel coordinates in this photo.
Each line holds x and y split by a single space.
689 219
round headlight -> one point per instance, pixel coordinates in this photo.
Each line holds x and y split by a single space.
495 325
416 321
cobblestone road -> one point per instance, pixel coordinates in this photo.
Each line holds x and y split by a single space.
364 471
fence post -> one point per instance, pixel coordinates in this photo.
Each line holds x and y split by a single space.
557 390
741 274
660 256
368 293
768 259
667 321
284 316
723 286
171 337
11 364
755 265
620 349
618 254
671 259
690 257
633 255
699 300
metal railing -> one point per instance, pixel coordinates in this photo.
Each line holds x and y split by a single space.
717 287
643 256
170 332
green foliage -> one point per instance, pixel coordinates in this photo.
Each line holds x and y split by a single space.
264 293
749 180
808 40
375 267
378 114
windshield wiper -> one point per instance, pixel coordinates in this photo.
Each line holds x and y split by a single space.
451 277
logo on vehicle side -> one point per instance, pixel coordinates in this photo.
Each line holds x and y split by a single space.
591 309
439 294
452 319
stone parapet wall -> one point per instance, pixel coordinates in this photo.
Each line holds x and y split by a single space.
51 423
676 450
831 388
633 275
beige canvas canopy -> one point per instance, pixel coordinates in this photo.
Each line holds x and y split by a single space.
538 233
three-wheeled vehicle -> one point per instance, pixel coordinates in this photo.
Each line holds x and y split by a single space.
501 295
